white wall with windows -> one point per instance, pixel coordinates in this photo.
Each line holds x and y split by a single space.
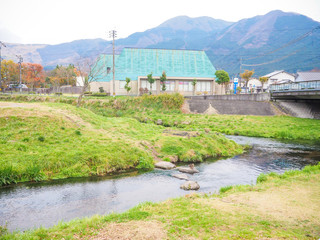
203 86
146 84
185 86
170 85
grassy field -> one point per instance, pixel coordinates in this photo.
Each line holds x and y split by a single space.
40 141
278 207
168 108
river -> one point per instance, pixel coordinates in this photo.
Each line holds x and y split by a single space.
31 205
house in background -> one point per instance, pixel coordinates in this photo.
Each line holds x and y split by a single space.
254 85
280 76
307 76
180 66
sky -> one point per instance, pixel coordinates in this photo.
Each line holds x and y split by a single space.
59 21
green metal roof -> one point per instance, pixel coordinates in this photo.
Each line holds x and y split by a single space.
133 62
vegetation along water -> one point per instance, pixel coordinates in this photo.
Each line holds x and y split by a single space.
44 138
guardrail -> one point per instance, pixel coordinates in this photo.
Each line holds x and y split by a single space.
296 86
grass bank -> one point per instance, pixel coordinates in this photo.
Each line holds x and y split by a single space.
278 207
41 141
168 108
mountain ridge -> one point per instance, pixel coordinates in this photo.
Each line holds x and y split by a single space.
224 42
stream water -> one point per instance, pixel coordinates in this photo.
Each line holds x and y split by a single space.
30 205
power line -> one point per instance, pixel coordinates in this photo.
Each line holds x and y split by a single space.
287 44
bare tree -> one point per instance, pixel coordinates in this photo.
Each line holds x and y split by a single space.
90 72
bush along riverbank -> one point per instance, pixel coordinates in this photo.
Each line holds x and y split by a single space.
283 206
43 141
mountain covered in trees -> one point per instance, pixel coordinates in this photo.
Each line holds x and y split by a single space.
277 40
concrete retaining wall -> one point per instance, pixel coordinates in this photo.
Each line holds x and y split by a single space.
301 109
242 107
260 97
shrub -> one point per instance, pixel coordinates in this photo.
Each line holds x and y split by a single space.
101 90
262 178
34 173
225 189
58 93
145 164
41 138
8 175
77 132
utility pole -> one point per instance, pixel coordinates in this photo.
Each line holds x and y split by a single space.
113 34
20 61
240 71
1 44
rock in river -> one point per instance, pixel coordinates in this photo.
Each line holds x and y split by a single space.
181 176
165 165
190 185
187 170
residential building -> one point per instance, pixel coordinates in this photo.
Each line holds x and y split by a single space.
280 76
307 76
180 66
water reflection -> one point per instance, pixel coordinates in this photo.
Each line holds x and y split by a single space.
31 205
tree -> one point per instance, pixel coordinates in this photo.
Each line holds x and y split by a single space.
194 83
163 80
63 75
9 72
222 78
263 80
151 80
90 72
246 76
127 87
33 74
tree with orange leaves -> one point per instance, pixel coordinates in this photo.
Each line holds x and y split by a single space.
246 76
33 74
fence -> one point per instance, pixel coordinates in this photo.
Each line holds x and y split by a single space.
52 90
296 86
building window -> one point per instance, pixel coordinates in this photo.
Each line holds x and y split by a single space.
170 85
203 86
185 86
122 84
146 84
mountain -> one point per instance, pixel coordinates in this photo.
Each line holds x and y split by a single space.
260 35
175 33
260 43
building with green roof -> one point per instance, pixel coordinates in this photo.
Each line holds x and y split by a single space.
180 66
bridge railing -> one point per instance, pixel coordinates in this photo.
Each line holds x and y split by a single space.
295 86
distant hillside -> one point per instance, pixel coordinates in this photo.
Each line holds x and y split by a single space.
225 43
252 37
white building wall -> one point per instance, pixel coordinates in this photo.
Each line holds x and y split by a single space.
279 77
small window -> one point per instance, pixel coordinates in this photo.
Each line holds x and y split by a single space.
122 84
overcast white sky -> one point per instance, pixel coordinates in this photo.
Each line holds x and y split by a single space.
58 21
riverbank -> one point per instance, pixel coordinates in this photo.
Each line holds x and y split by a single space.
54 139
43 141
283 206
169 108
